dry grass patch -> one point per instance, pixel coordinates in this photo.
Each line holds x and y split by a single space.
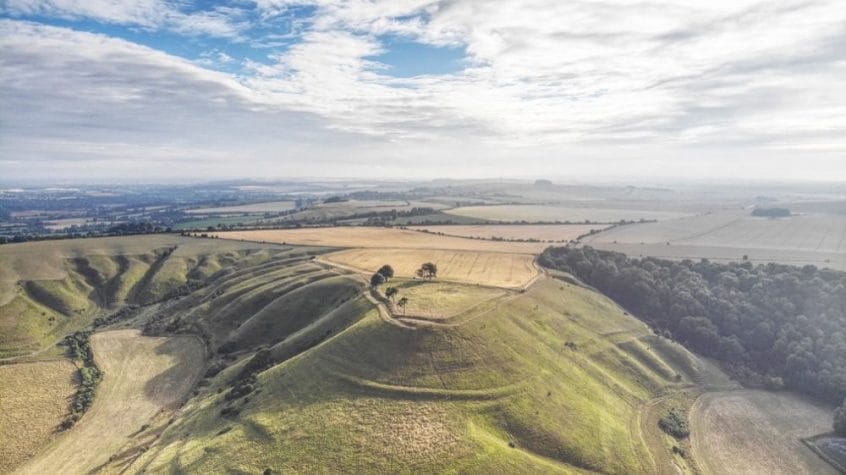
757 432
34 398
142 376
379 238
541 232
442 300
486 268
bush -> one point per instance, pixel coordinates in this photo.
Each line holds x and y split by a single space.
675 424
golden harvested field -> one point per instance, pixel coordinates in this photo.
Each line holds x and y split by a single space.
755 432
378 238
486 268
267 207
541 232
34 399
532 213
143 375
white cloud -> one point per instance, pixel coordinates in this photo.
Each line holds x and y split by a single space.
544 79
149 14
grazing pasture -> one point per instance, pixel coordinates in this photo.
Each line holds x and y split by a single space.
266 207
142 376
34 399
442 300
486 268
818 239
377 238
753 432
547 213
540 232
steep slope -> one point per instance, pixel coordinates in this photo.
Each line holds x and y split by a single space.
552 380
52 288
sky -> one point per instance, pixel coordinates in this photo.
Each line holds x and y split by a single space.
153 89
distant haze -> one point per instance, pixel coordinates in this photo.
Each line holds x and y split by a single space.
154 90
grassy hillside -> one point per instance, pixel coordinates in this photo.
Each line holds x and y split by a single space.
52 288
550 381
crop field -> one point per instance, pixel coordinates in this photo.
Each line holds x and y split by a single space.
142 376
486 268
546 213
442 300
540 232
34 399
267 207
377 238
804 239
754 432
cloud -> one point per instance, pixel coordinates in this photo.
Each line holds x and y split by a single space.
225 22
543 79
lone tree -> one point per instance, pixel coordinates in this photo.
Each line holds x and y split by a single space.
402 303
390 292
377 279
387 271
840 420
428 270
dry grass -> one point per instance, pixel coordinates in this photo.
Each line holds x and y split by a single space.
34 398
757 432
533 213
442 300
541 232
143 375
379 238
486 268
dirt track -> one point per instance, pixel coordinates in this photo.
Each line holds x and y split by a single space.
143 375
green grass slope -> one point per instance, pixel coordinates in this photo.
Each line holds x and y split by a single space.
551 381
49 289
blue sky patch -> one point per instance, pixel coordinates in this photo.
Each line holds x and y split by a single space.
405 58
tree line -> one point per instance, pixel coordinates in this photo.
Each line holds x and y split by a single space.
770 325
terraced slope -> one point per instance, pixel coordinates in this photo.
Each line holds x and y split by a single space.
551 381
52 288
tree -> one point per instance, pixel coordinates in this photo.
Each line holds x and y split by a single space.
428 270
390 292
402 303
377 279
840 420
387 271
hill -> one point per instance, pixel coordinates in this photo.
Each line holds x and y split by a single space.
552 380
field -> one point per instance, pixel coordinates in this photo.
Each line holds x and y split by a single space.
143 375
487 268
267 207
442 300
540 232
377 238
34 399
546 213
817 239
755 432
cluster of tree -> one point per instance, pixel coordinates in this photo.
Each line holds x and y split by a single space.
429 270
675 424
79 348
384 274
770 325
335 199
771 212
